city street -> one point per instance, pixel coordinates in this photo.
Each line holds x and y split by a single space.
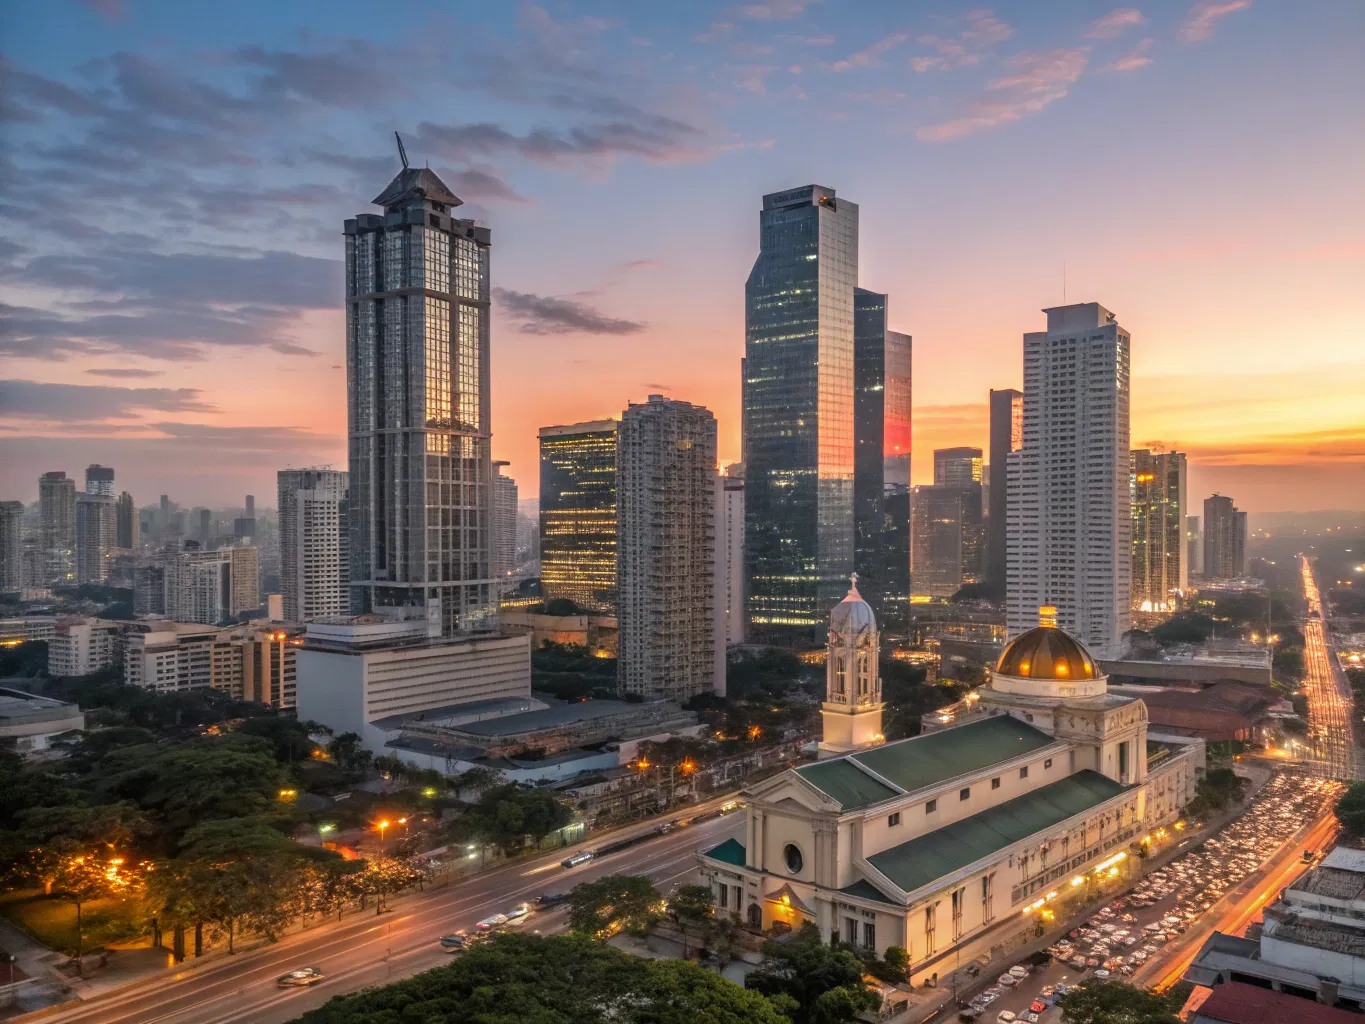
365 950
1329 696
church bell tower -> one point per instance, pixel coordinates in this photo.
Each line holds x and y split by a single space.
852 710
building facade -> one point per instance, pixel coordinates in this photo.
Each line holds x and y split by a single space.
96 535
1160 566
670 622
1225 539
57 519
1069 519
1194 546
1006 435
798 405
578 513
12 545
126 533
939 528
957 467
79 647
100 480
504 524
315 559
417 348
730 549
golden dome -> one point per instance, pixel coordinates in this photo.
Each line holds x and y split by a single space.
1046 652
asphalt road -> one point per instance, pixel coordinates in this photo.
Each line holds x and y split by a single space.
1329 697
364 950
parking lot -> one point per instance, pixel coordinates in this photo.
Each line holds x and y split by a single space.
1124 934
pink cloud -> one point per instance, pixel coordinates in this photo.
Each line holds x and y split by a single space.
1038 78
1133 61
869 56
983 32
1205 14
1115 23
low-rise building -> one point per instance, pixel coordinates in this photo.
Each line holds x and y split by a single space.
79 647
252 662
31 627
31 723
595 631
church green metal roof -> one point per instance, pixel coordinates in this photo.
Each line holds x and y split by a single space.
865 890
731 852
945 850
922 760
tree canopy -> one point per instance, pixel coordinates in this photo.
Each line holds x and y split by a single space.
1113 1002
614 903
824 983
1351 810
507 816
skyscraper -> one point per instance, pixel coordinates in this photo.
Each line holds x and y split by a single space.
730 550
670 642
126 531
1224 539
57 517
417 346
881 478
937 530
957 467
96 533
1160 567
504 524
1007 435
99 480
315 562
799 412
1194 546
578 513
1069 522
11 545
249 509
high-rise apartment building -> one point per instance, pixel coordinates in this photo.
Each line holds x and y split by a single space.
1007 435
99 480
96 535
1225 539
1160 567
11 545
417 347
1194 546
957 467
244 563
209 587
578 513
881 441
670 639
798 425
504 523
57 518
126 525
730 550
938 525
314 538
1069 521
149 589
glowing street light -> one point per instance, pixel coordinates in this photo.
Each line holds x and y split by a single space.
382 825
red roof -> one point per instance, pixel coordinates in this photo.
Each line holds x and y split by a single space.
1235 1002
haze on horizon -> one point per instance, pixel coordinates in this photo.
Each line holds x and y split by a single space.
175 182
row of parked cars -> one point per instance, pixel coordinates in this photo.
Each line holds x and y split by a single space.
455 942
1011 978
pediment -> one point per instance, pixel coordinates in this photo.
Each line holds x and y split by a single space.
789 791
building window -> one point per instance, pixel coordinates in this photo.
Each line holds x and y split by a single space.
995 782
930 806
1023 772
793 858
964 794
851 931
869 935
894 819
1047 763
929 945
724 897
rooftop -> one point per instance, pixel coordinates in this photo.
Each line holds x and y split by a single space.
731 852
945 850
18 707
922 760
1235 1002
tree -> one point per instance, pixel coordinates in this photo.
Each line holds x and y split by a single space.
1219 788
806 970
45 837
1351 810
1113 1002
615 903
287 735
1184 628
84 878
691 906
348 751
526 979
506 816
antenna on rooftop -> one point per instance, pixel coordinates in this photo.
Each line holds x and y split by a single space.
402 153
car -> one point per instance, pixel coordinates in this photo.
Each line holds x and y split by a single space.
455 942
582 857
1007 1017
1008 980
518 912
1048 990
1101 972
552 899
1077 962
1037 1006
489 923
1031 1017
301 977
1019 971
663 828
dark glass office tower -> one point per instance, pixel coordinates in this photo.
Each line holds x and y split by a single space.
417 297
1007 435
578 463
798 413
881 479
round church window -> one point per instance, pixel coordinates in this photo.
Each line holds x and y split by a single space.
794 859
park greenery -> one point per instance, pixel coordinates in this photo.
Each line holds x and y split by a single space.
1114 1002
1351 811
820 983
1218 790
615 903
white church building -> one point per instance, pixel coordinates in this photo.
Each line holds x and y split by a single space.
942 843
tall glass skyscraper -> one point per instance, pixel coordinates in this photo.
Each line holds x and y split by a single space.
578 513
417 297
799 413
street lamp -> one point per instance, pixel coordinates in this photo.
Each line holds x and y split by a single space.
383 824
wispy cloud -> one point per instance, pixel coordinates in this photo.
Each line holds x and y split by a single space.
870 56
1132 61
1204 15
983 32
1115 23
1037 79
548 314
122 372
36 400
770 10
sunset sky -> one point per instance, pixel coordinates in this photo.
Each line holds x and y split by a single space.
175 177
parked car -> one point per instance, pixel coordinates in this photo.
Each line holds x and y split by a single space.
489 923
302 977
552 899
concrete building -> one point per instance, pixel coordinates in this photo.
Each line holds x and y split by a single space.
315 561
504 525
11 546
149 588
354 672
1194 546
670 641
96 535
173 656
1006 435
57 517
198 586
269 659
126 533
593 630
946 844
578 513
799 428
730 550
1069 521
1237 1002
100 480
417 357
957 467
78 647
1160 575
1225 539
30 627
32 723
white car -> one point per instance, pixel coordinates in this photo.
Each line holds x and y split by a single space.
303 977
519 912
489 923
1019 971
1007 1017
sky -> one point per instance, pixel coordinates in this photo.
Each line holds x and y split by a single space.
174 178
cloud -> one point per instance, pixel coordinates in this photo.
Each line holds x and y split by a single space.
870 56
983 33
655 139
545 314
1037 78
129 372
770 10
1115 23
1199 23
33 400
108 8
1133 61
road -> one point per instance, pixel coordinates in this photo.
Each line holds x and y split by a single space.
365 950
1329 696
